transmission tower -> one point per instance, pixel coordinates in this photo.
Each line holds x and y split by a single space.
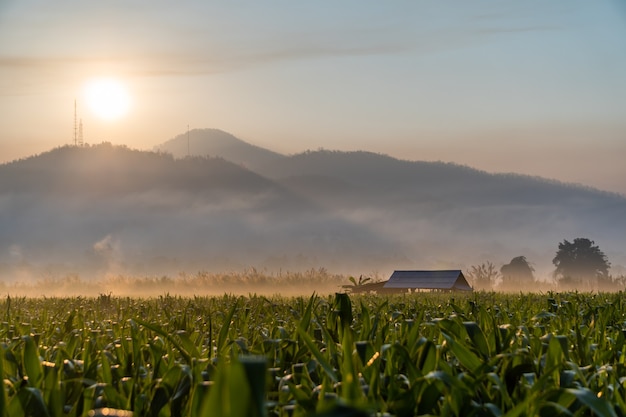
75 125
78 128
80 133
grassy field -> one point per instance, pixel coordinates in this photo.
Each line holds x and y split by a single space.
481 354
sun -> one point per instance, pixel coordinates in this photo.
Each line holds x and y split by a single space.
107 98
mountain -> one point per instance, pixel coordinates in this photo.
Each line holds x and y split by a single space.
110 208
445 214
114 171
385 175
215 142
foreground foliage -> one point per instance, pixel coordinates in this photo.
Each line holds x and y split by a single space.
483 354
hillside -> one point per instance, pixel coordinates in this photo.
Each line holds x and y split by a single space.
457 209
113 170
108 208
448 214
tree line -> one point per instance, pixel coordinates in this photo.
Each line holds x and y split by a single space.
579 264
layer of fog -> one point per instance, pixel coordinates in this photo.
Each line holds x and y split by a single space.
105 212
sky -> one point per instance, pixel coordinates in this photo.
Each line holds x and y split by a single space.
531 87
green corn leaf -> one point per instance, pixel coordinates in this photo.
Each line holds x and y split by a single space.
302 397
343 307
493 409
51 390
429 395
427 357
32 363
328 340
172 389
364 332
446 378
557 409
171 377
107 375
502 389
478 338
599 406
199 396
554 357
223 334
28 402
521 408
306 316
328 369
3 398
160 398
450 326
466 357
350 385
184 384
255 368
215 403
115 399
158 330
229 396
187 344
564 345
69 323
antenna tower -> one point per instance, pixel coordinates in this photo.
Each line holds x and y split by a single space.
75 126
78 128
188 154
80 133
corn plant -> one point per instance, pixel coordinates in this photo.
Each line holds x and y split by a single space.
482 354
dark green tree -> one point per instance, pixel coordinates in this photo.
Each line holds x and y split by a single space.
581 263
517 274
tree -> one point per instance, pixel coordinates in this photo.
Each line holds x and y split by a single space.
517 273
483 276
581 262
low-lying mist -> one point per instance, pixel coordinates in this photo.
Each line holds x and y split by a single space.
103 211
247 282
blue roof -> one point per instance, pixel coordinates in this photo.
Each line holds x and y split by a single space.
433 280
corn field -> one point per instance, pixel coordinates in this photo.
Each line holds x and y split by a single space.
482 354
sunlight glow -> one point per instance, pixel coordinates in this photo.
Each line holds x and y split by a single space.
107 98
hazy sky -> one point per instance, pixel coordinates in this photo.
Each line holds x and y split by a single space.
533 87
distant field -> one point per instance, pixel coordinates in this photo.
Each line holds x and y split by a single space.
481 354
246 282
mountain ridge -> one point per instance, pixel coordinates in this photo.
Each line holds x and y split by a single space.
215 142
108 208
117 208
204 142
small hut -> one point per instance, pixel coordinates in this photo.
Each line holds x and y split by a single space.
405 281
448 280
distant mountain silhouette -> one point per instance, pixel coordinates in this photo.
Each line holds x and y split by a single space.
449 211
108 207
117 170
215 142
381 175
443 210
